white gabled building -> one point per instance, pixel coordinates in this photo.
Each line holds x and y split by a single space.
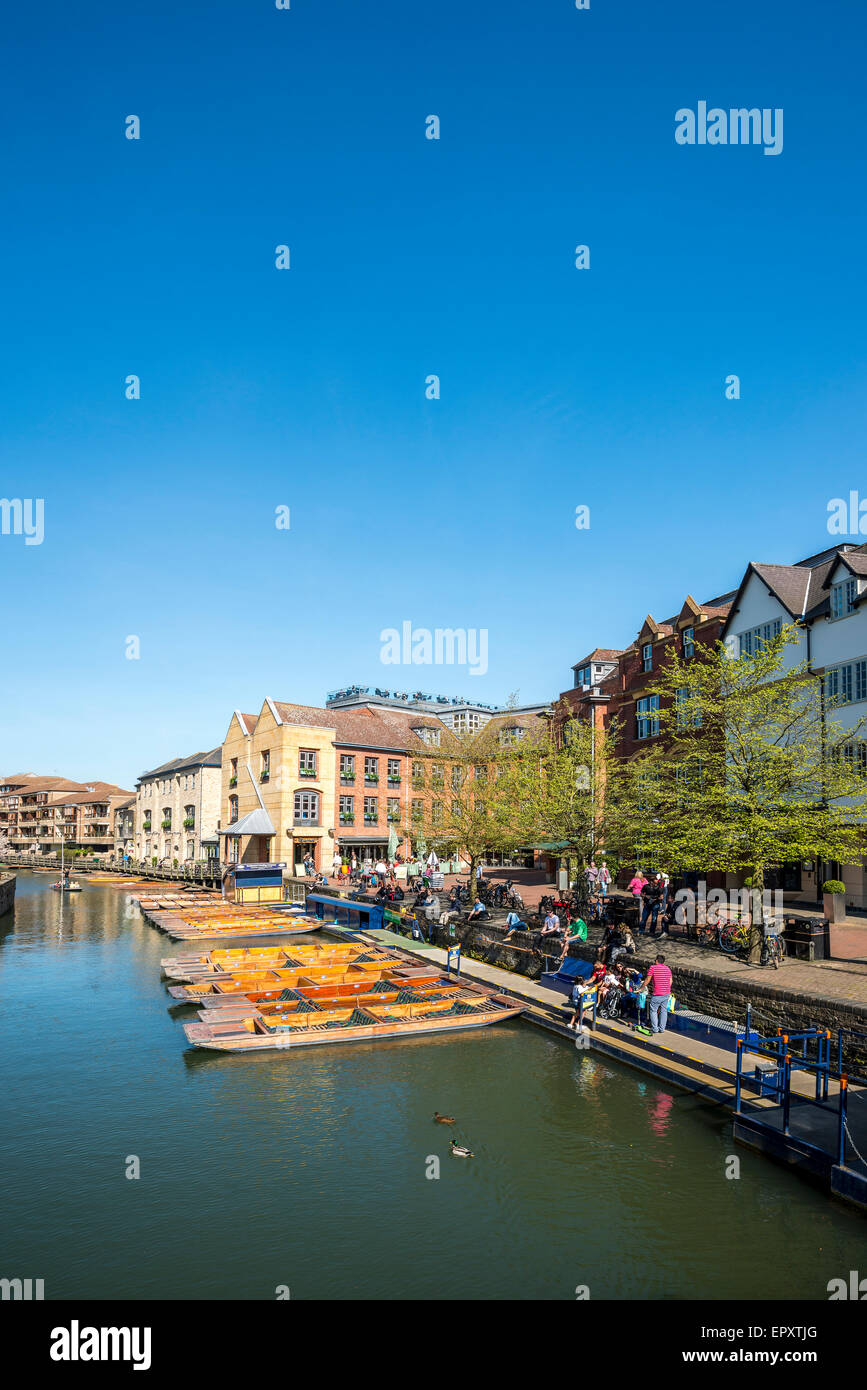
825 597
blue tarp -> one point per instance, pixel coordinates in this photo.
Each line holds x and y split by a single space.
571 970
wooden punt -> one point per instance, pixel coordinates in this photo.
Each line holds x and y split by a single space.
368 1024
311 978
274 957
211 928
384 992
388 984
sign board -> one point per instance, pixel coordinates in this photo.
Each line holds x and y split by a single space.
454 959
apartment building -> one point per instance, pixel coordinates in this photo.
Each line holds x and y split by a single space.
37 814
300 780
177 809
824 597
124 829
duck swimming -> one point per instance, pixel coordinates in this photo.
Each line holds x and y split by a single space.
460 1150
443 1119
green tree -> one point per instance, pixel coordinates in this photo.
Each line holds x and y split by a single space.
474 805
750 769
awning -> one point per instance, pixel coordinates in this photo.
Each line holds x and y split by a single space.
552 846
258 822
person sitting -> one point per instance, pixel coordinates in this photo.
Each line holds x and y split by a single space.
514 923
580 991
551 925
478 909
576 930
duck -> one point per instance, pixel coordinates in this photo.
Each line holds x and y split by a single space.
460 1150
443 1119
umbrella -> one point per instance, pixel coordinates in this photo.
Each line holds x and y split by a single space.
393 843
421 845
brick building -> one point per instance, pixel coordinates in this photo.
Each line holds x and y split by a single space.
298 780
37 814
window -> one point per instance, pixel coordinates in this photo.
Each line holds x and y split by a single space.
647 717
347 810
418 775
647 657
692 720
189 817
371 810
752 641
265 772
855 754
427 735
233 773
394 771
844 598
688 643
843 684
306 763
233 809
306 808
457 777
371 769
456 810
481 774
417 810
514 734
393 808
437 775
582 676
437 813
347 767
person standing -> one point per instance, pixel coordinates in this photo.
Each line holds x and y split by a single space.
635 887
651 894
591 873
336 863
604 879
657 983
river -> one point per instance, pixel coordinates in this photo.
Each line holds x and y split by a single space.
308 1171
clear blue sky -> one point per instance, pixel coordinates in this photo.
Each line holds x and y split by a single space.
409 257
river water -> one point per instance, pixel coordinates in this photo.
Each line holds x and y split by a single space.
308 1171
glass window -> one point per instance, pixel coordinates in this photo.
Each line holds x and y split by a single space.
844 598
647 717
393 808
347 808
394 769
647 657
307 762
347 765
371 769
371 810
688 643
233 808
307 807
418 775
752 641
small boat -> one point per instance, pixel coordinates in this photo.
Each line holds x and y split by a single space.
66 887
294 1002
312 981
229 962
373 1023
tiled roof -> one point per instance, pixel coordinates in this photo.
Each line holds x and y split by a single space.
599 654
384 728
213 758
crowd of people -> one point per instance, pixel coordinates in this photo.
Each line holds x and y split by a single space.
622 991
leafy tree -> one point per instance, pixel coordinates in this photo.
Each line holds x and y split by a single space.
750 770
475 804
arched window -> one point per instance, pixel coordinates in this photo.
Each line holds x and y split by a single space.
306 808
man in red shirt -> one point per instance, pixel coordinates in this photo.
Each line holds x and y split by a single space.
657 983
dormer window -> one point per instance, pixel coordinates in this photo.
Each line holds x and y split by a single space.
844 597
582 676
512 735
428 735
688 643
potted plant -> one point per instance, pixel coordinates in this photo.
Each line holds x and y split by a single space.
189 822
233 781
834 899
263 776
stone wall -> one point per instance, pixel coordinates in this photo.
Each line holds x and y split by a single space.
7 894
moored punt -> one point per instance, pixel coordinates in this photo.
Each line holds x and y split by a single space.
309 978
368 1024
272 1010
219 928
389 984
228 961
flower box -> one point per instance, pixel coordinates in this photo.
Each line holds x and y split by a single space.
347 820
189 823
371 777
307 772
233 781
167 825
263 776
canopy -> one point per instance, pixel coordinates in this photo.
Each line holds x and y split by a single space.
258 822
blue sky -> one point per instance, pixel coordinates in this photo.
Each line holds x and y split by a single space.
409 257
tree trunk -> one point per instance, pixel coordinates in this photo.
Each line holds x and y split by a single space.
757 934
473 893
